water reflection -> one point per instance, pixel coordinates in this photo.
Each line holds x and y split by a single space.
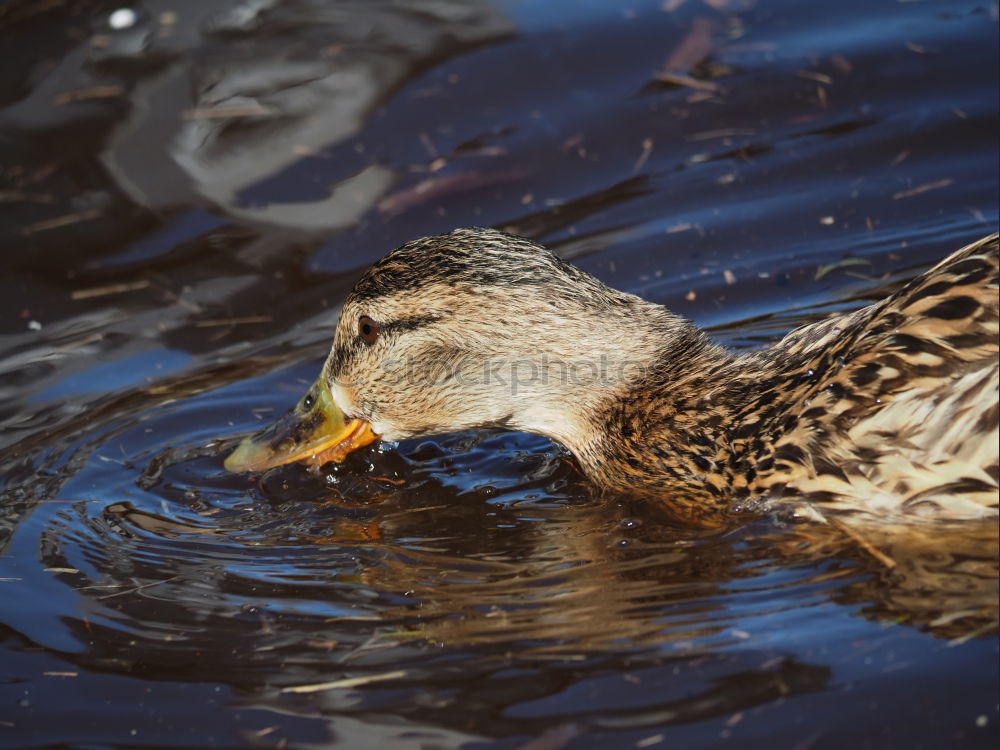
391 539
555 596
442 581
187 200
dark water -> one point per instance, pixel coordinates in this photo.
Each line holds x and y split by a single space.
185 202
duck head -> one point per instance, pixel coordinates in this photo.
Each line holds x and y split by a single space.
475 328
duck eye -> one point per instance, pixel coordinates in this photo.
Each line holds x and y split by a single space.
368 329
308 401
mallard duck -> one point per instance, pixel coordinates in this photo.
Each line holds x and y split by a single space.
889 412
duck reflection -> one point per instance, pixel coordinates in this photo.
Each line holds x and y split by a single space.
399 549
579 572
519 595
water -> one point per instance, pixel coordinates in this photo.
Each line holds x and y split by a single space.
187 200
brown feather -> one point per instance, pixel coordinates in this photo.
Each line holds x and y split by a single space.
888 412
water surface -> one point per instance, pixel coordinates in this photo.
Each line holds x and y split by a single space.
187 200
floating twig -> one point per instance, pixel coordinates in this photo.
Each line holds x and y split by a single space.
927 186
814 76
707 135
61 221
681 79
103 291
863 543
213 322
647 149
694 47
138 588
437 187
94 92
823 270
347 682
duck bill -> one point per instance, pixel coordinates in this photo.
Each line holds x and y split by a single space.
314 432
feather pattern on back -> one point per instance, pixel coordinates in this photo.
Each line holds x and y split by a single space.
890 410
910 415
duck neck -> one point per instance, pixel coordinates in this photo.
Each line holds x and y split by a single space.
669 421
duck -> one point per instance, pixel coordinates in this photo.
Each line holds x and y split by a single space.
887 414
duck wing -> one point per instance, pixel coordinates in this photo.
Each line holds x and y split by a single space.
900 414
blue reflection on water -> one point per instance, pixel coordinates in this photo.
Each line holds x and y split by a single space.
122 373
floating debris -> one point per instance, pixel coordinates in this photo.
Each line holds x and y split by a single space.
680 79
814 76
93 92
695 47
823 270
926 187
104 291
437 187
647 149
841 63
17 196
707 135
863 543
61 221
213 322
347 682
136 589
680 228
900 157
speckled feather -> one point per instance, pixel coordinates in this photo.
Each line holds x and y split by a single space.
888 412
